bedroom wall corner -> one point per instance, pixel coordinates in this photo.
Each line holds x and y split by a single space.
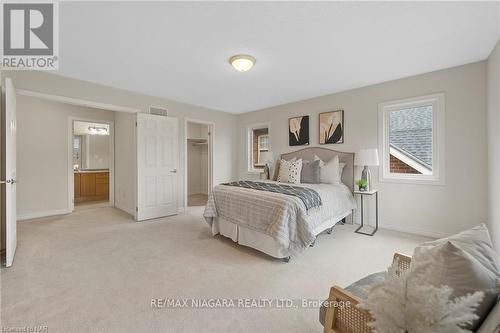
493 83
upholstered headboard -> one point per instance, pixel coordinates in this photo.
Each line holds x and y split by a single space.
326 155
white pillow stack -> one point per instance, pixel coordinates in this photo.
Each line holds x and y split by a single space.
330 172
290 171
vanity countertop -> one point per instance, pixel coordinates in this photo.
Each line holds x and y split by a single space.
92 171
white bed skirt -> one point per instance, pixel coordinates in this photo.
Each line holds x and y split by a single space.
260 241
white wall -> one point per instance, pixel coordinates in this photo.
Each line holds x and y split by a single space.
197 131
42 154
225 131
423 209
494 144
125 162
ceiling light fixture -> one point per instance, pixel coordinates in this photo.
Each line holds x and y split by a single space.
242 62
96 130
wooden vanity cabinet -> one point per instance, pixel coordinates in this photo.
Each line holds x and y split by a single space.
91 186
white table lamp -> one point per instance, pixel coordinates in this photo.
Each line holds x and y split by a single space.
366 157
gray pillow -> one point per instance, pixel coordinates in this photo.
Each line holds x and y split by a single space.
310 173
465 262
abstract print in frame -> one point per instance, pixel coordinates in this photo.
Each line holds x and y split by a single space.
331 127
298 131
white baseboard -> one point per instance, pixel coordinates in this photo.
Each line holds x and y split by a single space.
411 230
37 215
181 210
127 210
200 192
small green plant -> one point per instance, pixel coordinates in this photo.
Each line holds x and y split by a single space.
362 184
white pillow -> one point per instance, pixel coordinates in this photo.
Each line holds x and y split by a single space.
330 172
466 262
321 163
290 171
341 170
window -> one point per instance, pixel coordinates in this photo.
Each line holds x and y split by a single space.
258 147
411 139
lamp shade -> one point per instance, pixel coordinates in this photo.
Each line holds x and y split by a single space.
266 157
366 157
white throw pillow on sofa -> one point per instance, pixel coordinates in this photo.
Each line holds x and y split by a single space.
465 262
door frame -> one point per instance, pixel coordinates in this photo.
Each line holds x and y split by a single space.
9 221
71 173
211 129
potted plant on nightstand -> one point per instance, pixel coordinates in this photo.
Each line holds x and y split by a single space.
362 184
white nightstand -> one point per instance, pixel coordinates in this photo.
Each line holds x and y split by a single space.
362 194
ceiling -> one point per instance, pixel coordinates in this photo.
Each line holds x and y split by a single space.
180 50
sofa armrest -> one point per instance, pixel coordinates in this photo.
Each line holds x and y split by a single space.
404 261
343 315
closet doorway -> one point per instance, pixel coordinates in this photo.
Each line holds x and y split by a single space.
199 157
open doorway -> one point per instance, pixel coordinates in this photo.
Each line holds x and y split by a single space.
198 154
92 159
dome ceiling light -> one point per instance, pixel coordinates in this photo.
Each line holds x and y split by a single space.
242 62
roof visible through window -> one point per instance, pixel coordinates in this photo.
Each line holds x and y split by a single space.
410 133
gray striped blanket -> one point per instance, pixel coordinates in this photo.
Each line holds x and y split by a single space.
308 196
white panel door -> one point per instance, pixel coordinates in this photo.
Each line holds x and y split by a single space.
10 172
157 164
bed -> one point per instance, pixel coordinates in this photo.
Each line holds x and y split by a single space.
278 224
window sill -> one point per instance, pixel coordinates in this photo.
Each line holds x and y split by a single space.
413 181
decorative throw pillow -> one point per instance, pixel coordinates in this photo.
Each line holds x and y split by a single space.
277 168
330 171
321 163
465 262
290 171
310 172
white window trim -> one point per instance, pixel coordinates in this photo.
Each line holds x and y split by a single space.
249 138
261 150
438 138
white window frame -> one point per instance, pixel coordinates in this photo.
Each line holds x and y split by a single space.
438 140
249 138
259 150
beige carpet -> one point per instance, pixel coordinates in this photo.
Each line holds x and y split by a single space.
96 271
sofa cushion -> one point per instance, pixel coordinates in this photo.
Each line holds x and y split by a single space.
465 262
359 289
475 241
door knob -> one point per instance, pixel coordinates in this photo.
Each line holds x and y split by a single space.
174 171
8 181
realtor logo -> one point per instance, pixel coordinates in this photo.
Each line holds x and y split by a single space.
30 35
